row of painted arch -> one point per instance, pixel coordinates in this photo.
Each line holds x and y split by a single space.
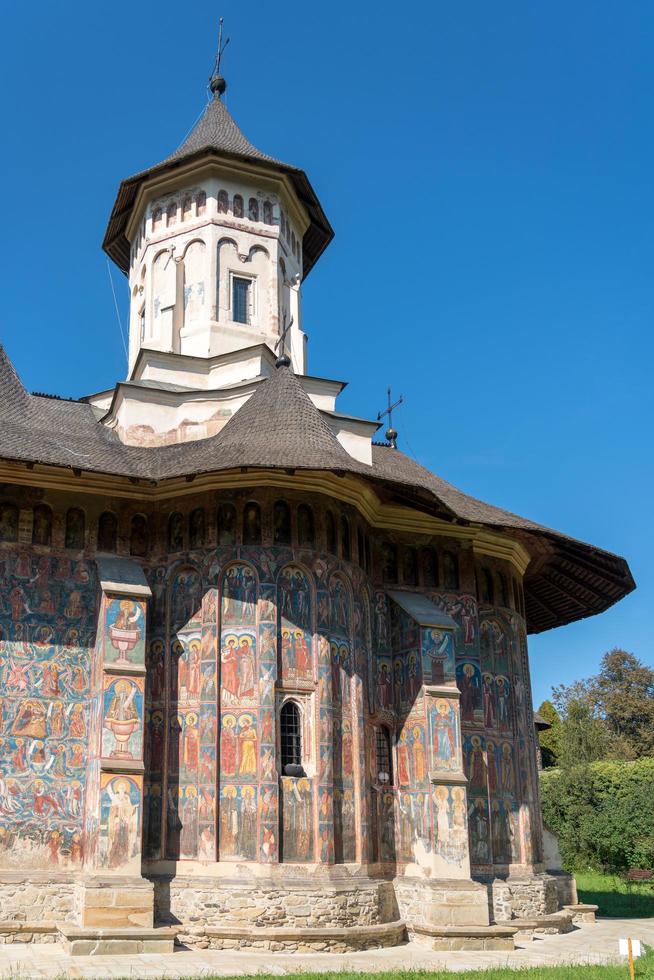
493 587
195 206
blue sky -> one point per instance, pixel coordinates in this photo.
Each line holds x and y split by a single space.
488 171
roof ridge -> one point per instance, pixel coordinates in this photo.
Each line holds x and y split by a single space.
280 420
15 400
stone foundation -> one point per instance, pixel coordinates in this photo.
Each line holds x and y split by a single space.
442 903
36 899
315 940
530 897
211 902
464 937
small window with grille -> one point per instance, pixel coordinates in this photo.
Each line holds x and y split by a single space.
290 726
241 299
383 756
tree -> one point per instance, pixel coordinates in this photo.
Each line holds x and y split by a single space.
624 694
608 716
550 738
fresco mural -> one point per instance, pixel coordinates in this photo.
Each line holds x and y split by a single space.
227 628
119 844
48 614
122 724
437 653
450 819
444 734
297 819
296 636
125 632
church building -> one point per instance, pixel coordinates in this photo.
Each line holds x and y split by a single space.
264 679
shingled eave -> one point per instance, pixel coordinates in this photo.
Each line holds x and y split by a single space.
566 580
316 238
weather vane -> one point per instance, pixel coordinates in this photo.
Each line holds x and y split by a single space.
391 433
283 359
216 81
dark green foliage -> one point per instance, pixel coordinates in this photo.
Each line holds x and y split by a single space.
602 814
550 738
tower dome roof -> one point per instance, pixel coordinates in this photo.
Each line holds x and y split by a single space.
217 135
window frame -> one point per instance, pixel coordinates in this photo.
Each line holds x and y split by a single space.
251 297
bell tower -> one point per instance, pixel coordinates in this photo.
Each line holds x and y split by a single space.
216 241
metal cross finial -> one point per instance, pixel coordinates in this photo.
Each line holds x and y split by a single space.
216 81
283 360
391 433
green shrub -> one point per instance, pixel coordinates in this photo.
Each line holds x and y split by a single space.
602 814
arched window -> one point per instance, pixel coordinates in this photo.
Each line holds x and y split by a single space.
139 537
157 219
237 208
253 209
383 758
42 526
345 538
107 531
187 208
306 533
176 532
196 528
252 523
171 214
389 562
226 521
486 587
223 202
267 213
8 522
429 568
290 732
450 571
502 591
201 203
75 528
281 523
409 567
330 529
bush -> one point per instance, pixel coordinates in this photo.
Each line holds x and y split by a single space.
602 814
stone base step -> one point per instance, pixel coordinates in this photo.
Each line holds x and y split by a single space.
581 912
94 941
559 922
291 939
464 937
13 931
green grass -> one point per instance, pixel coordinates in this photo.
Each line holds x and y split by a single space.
644 969
616 897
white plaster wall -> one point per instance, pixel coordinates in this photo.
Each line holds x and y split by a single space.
185 251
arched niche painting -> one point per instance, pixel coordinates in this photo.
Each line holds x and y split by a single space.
296 635
107 531
119 845
306 534
469 682
196 528
226 521
75 529
195 270
8 522
139 536
42 526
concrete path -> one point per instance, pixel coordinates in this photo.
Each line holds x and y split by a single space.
590 943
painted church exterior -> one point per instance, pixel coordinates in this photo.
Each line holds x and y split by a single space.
263 680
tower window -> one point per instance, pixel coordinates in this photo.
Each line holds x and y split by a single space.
253 209
241 299
290 731
383 755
